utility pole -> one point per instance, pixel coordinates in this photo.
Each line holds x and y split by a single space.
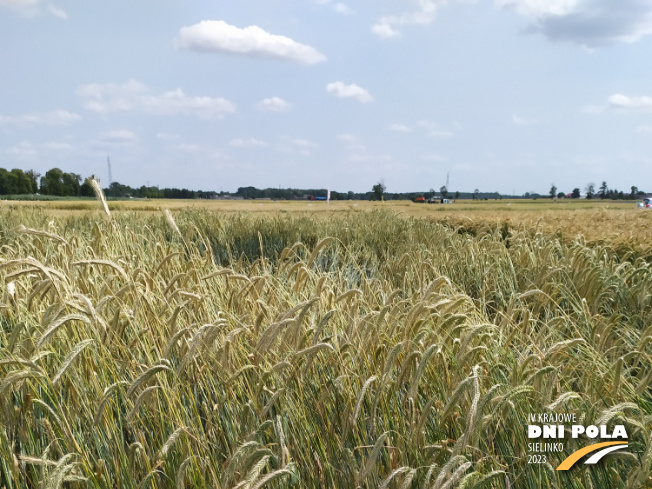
108 162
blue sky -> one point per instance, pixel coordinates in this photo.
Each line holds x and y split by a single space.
504 95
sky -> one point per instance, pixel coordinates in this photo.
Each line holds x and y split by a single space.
500 95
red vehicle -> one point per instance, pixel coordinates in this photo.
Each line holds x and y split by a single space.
420 200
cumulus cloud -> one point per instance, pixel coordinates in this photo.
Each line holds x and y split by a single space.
590 23
540 7
434 157
619 101
218 36
399 128
387 27
340 90
342 8
304 143
273 104
248 143
53 118
347 137
299 146
107 98
23 7
115 138
168 136
189 148
522 121
58 146
58 12
434 130
441 134
24 149
338 7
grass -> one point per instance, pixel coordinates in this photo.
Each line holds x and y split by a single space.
365 349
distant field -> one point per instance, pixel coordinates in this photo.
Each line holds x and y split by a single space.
596 220
411 208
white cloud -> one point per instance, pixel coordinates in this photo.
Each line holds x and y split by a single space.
589 23
189 148
218 36
399 128
434 157
342 8
273 104
386 27
304 143
434 130
53 118
58 146
347 137
441 134
106 98
24 149
58 12
23 7
339 89
356 147
619 101
540 7
168 136
339 7
367 157
248 143
385 31
118 137
522 121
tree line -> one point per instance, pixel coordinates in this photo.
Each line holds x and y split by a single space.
56 182
603 192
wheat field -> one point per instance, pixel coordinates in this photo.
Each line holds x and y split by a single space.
195 348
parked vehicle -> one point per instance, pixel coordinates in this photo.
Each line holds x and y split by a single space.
646 203
439 200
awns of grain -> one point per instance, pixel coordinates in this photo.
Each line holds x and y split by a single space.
197 350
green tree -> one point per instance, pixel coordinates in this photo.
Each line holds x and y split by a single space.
33 178
457 194
7 182
70 183
553 191
22 182
86 189
52 182
443 191
603 190
475 194
590 190
378 191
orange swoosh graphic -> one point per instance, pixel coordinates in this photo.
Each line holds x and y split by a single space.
575 456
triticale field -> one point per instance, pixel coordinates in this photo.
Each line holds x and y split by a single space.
366 347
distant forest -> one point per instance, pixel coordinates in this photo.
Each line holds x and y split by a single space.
58 183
